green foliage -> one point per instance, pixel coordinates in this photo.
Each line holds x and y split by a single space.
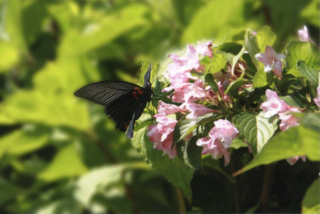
60 154
310 203
296 141
175 171
303 51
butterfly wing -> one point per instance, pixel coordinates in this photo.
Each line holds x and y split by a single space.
105 93
124 101
121 111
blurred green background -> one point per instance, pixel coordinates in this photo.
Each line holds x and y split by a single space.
60 154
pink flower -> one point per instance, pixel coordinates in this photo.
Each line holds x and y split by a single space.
205 49
288 120
303 34
224 131
293 160
271 61
274 104
317 99
179 72
196 110
215 148
220 138
169 108
162 134
195 92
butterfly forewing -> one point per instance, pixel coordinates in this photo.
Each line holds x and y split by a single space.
104 93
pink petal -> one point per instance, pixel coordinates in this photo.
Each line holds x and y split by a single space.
287 121
270 53
197 110
303 34
278 69
317 99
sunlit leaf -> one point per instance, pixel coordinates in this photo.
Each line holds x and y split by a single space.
65 164
304 51
9 57
295 141
211 27
265 37
101 180
310 203
251 45
23 141
97 34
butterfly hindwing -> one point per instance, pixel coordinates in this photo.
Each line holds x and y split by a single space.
122 109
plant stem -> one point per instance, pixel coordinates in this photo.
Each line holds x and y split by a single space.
267 183
182 206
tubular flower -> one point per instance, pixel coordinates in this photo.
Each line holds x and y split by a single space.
220 138
162 134
303 34
271 61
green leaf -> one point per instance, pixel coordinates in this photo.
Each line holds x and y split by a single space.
13 27
47 108
8 191
218 62
311 13
174 170
246 124
202 120
251 45
257 130
102 181
181 129
292 101
304 51
233 88
190 153
310 203
9 56
295 141
265 37
96 35
238 143
231 14
310 74
266 127
23 141
33 16
210 80
64 205
260 79
236 58
65 164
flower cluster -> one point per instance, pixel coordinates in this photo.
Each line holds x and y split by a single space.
193 98
191 92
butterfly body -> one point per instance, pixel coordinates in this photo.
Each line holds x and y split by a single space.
124 101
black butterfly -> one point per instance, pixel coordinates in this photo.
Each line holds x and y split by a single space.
124 101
